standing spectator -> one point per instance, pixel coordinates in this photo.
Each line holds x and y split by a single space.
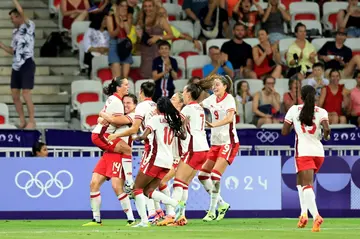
23 66
334 98
355 103
350 19
273 21
239 53
318 81
214 21
303 50
119 26
218 65
290 96
150 30
192 8
73 10
338 56
242 14
165 70
266 57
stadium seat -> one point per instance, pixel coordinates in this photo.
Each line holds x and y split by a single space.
100 69
254 85
54 6
85 91
180 84
4 114
319 42
186 27
272 126
78 28
348 83
7 126
185 48
174 11
330 11
249 115
194 65
282 86
287 3
353 44
342 126
60 23
310 24
181 65
245 126
215 42
284 45
138 84
252 41
89 113
304 11
134 73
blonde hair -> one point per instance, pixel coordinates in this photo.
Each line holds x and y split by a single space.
142 16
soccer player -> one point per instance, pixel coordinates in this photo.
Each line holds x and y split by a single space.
158 158
307 120
224 143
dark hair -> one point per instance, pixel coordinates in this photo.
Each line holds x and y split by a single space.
171 114
318 64
307 112
14 11
37 148
111 88
96 21
191 80
292 80
334 70
263 29
268 77
298 26
194 90
148 88
208 82
133 97
239 24
118 2
214 47
238 87
164 43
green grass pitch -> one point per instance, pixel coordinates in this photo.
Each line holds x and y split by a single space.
227 228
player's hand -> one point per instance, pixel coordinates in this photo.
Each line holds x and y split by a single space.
112 137
327 138
210 125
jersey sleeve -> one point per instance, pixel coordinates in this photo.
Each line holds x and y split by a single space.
152 124
206 102
131 117
230 104
115 107
290 115
184 112
140 112
324 116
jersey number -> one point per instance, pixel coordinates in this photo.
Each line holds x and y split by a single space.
216 115
202 121
310 131
168 135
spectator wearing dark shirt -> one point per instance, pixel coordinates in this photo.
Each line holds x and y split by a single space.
239 53
214 17
339 57
192 8
164 72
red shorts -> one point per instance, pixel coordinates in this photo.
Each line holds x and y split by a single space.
151 170
194 159
100 140
110 166
308 162
226 151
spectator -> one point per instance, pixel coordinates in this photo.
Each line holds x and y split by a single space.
164 72
214 21
192 8
96 40
242 14
23 65
243 93
239 53
266 103
355 103
150 30
318 81
289 97
133 10
99 6
350 19
266 57
218 65
273 21
303 50
338 56
334 98
39 149
73 10
119 26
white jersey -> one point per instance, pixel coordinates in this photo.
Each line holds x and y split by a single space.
122 128
161 142
225 134
307 141
196 136
144 111
177 149
113 106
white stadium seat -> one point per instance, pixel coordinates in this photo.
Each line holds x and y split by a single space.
181 65
173 10
78 28
194 65
4 114
89 113
99 63
185 48
7 126
348 83
184 27
319 42
342 126
85 91
252 41
353 44
281 87
255 85
304 11
245 126
330 11
272 126
180 84
284 45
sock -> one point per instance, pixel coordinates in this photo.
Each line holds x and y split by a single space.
157 206
303 205
309 197
158 196
126 206
127 167
215 177
205 180
165 190
95 202
185 196
177 193
150 204
140 204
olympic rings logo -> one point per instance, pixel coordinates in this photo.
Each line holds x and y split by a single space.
267 136
44 186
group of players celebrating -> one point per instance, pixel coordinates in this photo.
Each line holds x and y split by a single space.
173 131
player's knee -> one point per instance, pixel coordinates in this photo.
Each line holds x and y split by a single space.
148 192
117 186
94 185
203 175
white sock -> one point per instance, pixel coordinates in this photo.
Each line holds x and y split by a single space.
127 167
157 206
205 180
141 205
215 177
309 197
95 202
303 205
150 204
126 206
185 196
165 190
158 196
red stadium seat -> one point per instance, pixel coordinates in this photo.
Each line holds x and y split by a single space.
57 3
186 54
87 97
305 16
197 72
172 18
354 53
104 74
333 20
2 119
288 2
91 120
80 37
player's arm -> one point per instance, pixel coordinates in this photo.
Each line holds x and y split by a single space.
227 119
286 129
144 136
288 122
116 120
324 121
132 130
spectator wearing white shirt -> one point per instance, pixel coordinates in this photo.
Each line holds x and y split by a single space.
318 81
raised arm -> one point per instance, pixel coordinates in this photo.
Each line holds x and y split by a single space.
20 10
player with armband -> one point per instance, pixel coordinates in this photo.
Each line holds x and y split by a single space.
158 158
224 143
307 120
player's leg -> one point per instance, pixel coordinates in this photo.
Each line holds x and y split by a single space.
126 161
166 190
303 218
117 184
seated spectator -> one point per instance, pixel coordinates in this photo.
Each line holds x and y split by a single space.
99 6
243 93
73 10
192 9
243 15
239 53
334 98
165 70
266 57
273 21
350 19
289 97
218 65
266 104
214 21
338 56
96 40
355 103
301 54
39 149
318 81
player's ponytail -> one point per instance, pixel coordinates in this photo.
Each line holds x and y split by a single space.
194 90
307 113
112 87
171 114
